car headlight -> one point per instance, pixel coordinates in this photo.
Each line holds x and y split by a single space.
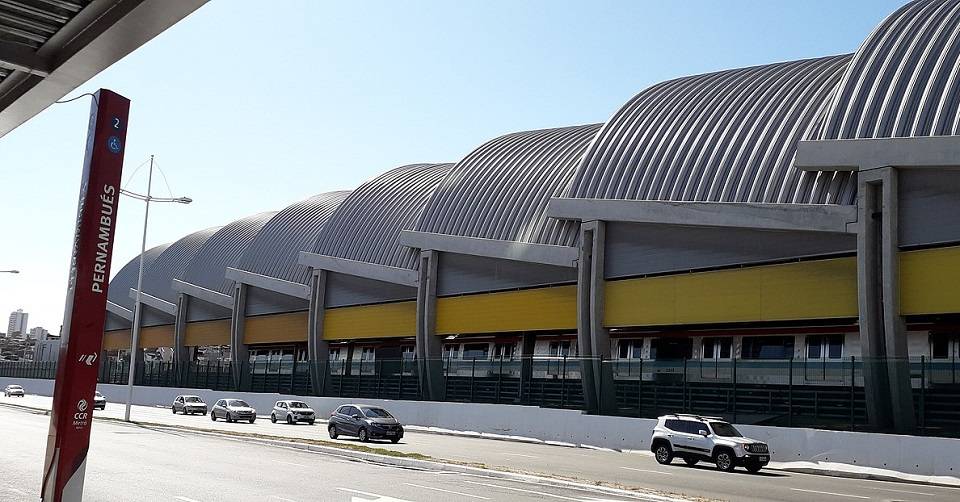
740 448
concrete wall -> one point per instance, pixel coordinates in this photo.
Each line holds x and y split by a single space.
914 455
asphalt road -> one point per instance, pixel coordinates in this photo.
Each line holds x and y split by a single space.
139 463
625 469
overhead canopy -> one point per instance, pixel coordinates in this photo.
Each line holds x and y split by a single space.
209 265
126 278
50 47
157 278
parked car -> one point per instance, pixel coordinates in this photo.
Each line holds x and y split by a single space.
13 390
292 412
365 422
694 438
188 405
233 410
99 402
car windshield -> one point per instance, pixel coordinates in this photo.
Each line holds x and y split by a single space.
726 430
192 399
236 403
98 394
298 404
377 413
15 387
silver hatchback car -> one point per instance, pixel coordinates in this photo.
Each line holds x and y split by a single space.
233 410
188 405
292 412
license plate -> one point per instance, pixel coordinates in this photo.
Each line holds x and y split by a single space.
764 458
391 433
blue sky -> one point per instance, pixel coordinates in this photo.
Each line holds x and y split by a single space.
248 108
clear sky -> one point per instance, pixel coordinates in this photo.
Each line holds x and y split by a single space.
249 108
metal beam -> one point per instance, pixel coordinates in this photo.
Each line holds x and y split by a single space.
860 154
294 289
561 256
775 217
154 302
373 271
120 311
207 295
22 58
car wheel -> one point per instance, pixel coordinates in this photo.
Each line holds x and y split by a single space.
273 418
754 468
332 430
724 461
311 422
213 416
663 453
691 461
362 434
394 440
252 420
289 420
174 410
204 412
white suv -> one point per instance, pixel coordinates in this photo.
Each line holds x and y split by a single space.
292 412
694 438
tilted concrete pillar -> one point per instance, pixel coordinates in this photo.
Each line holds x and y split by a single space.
886 366
318 349
593 339
429 349
239 353
181 356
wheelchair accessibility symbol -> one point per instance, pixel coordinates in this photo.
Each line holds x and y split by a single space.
113 144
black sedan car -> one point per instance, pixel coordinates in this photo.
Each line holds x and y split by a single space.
365 422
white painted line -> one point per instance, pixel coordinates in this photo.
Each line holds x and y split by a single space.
185 499
647 470
831 493
521 455
900 491
374 496
542 494
282 498
447 491
292 463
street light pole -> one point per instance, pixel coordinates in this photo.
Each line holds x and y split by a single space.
138 306
9 271
135 332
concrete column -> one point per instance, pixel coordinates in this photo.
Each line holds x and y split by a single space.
527 350
318 349
239 352
429 349
886 368
181 355
593 339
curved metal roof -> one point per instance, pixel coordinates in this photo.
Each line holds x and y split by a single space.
366 226
905 78
158 277
126 278
209 265
728 136
275 250
501 190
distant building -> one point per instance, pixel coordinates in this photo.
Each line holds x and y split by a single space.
47 349
18 323
38 333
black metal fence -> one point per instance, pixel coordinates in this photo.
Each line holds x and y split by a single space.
799 393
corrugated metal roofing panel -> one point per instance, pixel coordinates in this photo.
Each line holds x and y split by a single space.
501 190
728 136
366 227
274 251
158 278
126 278
222 250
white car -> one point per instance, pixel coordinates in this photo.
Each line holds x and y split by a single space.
694 438
99 402
292 412
188 405
13 390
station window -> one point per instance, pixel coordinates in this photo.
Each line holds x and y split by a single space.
717 347
368 354
503 351
476 351
767 347
407 353
335 354
451 351
824 347
560 348
630 349
944 346
671 348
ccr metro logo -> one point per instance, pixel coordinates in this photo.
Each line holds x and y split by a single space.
81 418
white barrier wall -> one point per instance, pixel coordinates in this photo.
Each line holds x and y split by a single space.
923 456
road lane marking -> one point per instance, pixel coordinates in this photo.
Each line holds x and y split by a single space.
900 491
647 470
447 491
520 455
830 493
543 494
374 496
185 499
282 498
291 463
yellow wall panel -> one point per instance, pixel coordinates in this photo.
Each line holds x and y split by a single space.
156 336
386 320
208 333
116 340
930 281
276 328
525 310
804 290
